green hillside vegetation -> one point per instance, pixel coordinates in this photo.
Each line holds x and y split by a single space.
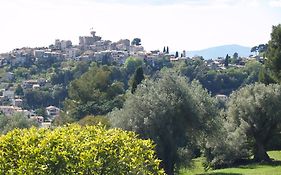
146 116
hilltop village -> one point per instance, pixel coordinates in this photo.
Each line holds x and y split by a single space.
21 69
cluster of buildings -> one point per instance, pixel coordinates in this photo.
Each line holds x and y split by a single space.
219 63
11 104
51 111
90 48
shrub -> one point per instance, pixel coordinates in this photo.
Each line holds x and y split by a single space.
76 150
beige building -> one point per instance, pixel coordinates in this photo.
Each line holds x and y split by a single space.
86 41
135 49
72 53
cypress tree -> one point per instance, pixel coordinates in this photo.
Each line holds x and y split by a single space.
177 54
226 61
138 77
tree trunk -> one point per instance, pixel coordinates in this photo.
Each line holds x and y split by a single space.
169 168
260 154
168 163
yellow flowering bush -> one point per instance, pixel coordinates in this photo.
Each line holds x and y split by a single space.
75 149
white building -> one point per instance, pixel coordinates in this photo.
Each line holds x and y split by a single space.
52 112
17 102
221 97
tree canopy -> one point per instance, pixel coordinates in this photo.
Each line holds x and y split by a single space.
170 111
273 61
251 120
18 120
136 41
131 65
96 92
256 108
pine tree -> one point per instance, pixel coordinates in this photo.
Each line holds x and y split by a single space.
167 50
164 50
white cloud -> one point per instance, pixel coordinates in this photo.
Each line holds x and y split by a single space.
275 3
201 3
187 24
172 2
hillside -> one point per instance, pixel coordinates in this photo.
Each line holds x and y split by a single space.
221 51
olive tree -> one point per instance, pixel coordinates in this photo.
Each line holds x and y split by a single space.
228 146
169 110
17 120
256 108
252 118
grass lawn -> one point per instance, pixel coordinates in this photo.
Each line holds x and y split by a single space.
252 169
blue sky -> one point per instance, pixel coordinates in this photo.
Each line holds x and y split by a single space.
180 24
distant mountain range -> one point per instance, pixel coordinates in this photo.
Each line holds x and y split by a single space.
220 51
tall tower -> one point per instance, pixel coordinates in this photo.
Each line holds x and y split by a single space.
93 33
184 53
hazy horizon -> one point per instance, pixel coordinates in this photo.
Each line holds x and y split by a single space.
179 24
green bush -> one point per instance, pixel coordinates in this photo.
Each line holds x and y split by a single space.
76 150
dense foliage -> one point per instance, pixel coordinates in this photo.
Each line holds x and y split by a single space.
132 64
274 53
220 81
137 78
96 92
252 118
173 108
76 150
94 120
171 112
18 120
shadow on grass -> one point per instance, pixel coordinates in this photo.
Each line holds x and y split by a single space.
254 165
273 163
